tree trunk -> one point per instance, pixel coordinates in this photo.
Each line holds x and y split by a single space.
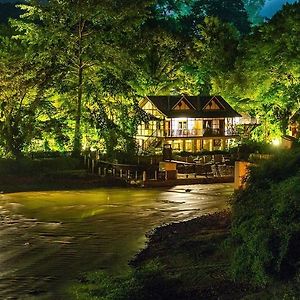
77 131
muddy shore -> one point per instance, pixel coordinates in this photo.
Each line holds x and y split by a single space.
195 252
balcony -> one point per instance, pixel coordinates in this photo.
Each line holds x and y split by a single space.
190 133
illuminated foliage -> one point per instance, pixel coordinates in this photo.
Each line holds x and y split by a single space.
267 73
79 39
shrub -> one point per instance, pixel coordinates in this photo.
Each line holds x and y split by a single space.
144 283
266 222
27 166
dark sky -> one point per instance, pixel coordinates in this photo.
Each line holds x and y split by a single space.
270 8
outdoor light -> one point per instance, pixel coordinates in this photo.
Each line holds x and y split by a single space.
276 142
191 124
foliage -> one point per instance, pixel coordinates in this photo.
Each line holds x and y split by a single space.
253 8
146 283
230 12
78 41
25 109
36 167
266 77
72 72
214 50
266 227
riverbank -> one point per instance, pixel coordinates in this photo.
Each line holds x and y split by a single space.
193 259
78 179
195 253
185 260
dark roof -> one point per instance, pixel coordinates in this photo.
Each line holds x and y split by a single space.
166 103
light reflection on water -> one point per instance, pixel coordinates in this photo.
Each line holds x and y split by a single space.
49 238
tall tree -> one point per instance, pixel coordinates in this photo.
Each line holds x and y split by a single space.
79 37
228 11
214 52
267 74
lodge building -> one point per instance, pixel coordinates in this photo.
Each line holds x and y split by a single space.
187 123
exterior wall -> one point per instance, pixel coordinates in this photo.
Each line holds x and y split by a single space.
198 144
185 134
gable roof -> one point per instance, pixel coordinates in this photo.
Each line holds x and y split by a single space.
183 100
166 103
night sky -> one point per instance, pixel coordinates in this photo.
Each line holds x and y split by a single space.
272 6
269 9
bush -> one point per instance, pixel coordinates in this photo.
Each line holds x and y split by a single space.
266 222
27 166
144 283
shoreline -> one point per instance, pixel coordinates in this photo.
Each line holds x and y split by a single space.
26 183
61 182
194 252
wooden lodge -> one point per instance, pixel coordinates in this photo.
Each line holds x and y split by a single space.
187 123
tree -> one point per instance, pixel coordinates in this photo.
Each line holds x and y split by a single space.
253 8
159 56
23 105
267 73
79 38
214 52
227 11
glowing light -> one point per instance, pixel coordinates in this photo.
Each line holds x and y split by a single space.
276 142
191 124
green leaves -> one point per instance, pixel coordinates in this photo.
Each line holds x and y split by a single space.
266 226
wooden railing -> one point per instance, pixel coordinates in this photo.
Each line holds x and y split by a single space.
208 132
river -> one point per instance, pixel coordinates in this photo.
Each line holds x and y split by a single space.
47 239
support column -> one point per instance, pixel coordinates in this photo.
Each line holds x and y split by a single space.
223 144
194 146
211 145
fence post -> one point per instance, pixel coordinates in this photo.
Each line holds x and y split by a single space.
114 171
121 173
136 175
104 171
144 175
99 171
128 174
155 175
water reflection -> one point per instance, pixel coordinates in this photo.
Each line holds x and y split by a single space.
49 238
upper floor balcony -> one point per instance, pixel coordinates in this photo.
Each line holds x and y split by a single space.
190 133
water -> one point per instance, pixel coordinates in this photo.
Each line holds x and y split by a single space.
47 239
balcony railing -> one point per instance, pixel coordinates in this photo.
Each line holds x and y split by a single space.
208 132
